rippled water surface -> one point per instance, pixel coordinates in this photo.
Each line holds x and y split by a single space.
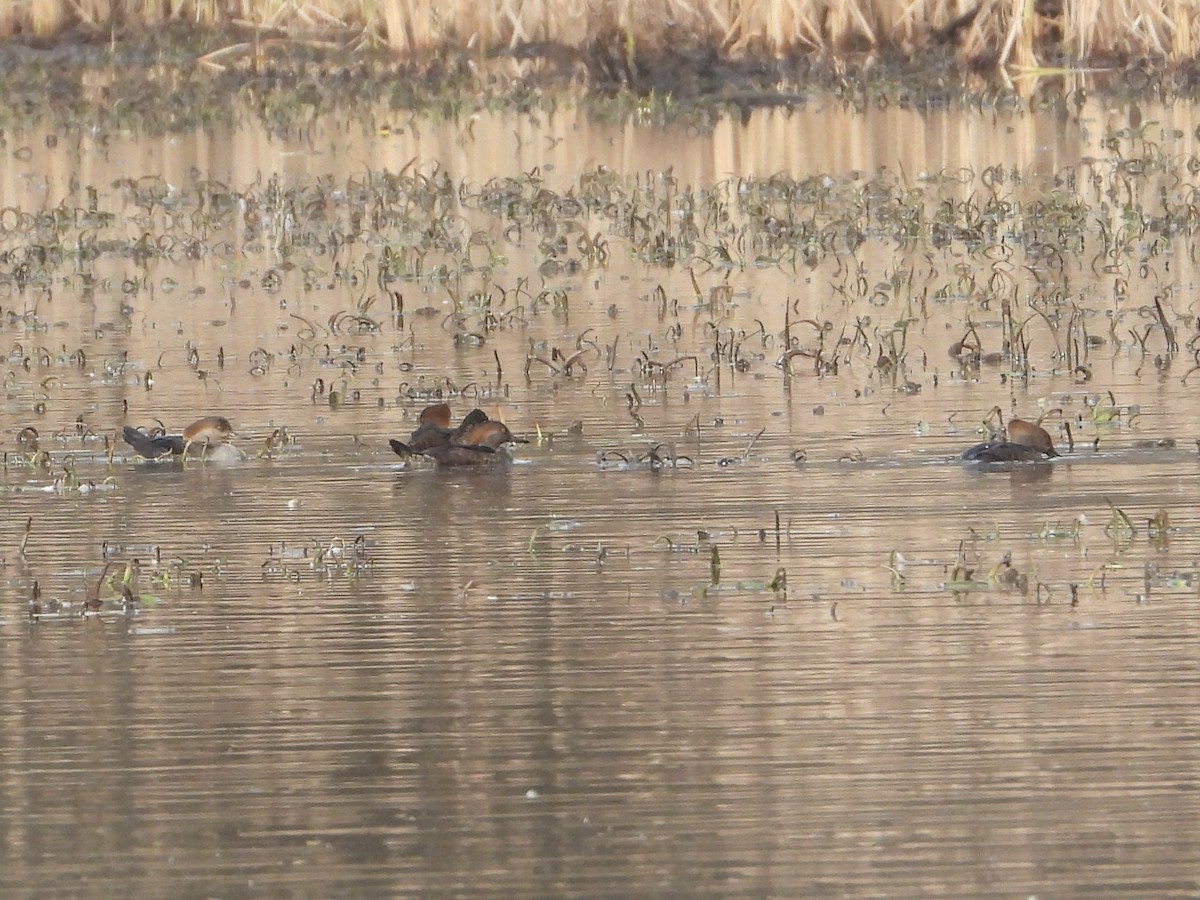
735 622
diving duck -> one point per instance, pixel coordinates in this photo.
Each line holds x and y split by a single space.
475 442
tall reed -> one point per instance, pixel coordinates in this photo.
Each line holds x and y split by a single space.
1008 32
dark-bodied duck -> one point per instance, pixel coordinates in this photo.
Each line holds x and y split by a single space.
1026 442
201 434
433 430
481 446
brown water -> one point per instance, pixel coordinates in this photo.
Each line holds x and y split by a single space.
346 675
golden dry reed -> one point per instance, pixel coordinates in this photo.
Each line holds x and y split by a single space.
1011 32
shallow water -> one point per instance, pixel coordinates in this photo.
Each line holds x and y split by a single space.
346 675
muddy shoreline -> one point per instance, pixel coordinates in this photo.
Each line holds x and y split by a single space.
187 78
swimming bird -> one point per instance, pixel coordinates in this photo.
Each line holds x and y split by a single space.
481 446
1026 442
475 442
205 432
433 430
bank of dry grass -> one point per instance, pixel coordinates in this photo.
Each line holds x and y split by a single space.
1006 32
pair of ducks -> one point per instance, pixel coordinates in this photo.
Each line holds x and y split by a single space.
476 442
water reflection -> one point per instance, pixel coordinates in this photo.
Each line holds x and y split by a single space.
347 674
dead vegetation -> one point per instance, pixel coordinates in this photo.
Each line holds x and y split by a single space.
617 37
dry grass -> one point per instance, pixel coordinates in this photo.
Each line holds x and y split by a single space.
1011 32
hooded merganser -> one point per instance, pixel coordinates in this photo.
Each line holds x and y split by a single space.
206 432
1026 442
433 430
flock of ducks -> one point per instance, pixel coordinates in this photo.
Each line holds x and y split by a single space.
478 440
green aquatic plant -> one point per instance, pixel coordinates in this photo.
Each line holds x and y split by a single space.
1159 529
962 580
779 583
898 579
536 537
1120 527
275 441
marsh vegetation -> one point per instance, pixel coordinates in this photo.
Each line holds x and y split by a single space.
735 581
